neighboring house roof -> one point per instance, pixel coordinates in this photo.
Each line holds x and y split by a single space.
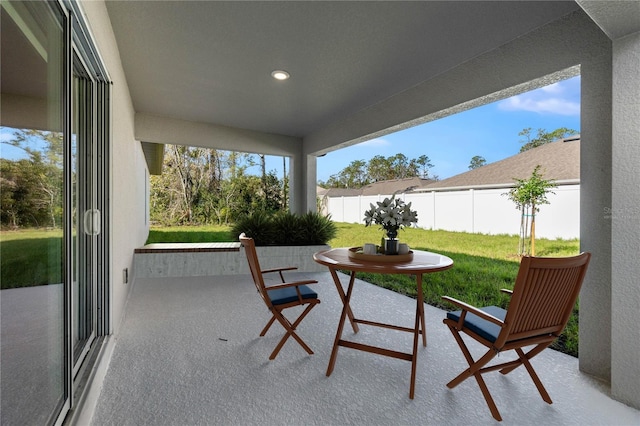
385 187
388 187
341 192
559 161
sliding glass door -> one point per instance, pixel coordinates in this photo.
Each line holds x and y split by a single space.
85 216
34 379
54 177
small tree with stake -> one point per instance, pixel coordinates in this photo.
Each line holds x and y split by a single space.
528 195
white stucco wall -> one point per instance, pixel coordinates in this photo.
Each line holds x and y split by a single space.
129 174
595 229
625 214
485 211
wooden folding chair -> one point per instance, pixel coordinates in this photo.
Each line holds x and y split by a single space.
281 296
542 300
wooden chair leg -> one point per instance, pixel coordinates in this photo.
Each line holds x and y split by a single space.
467 355
275 352
284 340
475 370
533 352
474 367
302 315
487 396
525 361
266 327
290 331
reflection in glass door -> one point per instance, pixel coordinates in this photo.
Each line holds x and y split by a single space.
33 368
54 186
85 217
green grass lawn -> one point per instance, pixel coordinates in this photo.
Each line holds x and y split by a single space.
29 258
483 264
190 234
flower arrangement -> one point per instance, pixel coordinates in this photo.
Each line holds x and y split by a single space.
392 214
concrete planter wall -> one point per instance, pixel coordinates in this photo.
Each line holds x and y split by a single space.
161 263
277 256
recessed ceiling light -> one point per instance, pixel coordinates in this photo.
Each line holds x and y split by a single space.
280 75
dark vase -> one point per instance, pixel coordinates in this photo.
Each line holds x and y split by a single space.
392 233
391 246
391 243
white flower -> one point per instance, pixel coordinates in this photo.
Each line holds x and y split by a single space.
391 214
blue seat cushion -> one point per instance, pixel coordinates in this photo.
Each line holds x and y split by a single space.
281 296
485 329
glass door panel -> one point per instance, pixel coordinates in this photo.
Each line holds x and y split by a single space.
85 218
33 371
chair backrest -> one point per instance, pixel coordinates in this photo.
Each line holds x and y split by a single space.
545 291
254 265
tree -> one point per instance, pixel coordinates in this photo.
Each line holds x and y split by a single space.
400 167
352 176
285 184
379 168
425 166
528 195
191 167
34 184
477 161
543 137
207 186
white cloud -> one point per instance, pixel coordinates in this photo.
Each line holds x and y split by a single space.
560 98
540 104
5 136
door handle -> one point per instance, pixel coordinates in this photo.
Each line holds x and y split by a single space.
92 222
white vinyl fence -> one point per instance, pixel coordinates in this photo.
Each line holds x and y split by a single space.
485 211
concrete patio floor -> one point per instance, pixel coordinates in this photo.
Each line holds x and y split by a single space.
189 353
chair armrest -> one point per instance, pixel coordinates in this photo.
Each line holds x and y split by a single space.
505 290
292 284
469 308
279 271
288 268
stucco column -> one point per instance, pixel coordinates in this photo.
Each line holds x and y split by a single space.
595 226
302 187
296 184
625 214
311 178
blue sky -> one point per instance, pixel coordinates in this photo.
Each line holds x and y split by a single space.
490 131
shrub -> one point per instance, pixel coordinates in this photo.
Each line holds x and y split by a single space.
317 229
285 228
257 225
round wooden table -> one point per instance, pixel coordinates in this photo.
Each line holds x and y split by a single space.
423 262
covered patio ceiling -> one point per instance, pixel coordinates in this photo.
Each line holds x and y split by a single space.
211 62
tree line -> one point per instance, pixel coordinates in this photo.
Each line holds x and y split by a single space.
198 185
32 187
379 168
360 173
208 186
